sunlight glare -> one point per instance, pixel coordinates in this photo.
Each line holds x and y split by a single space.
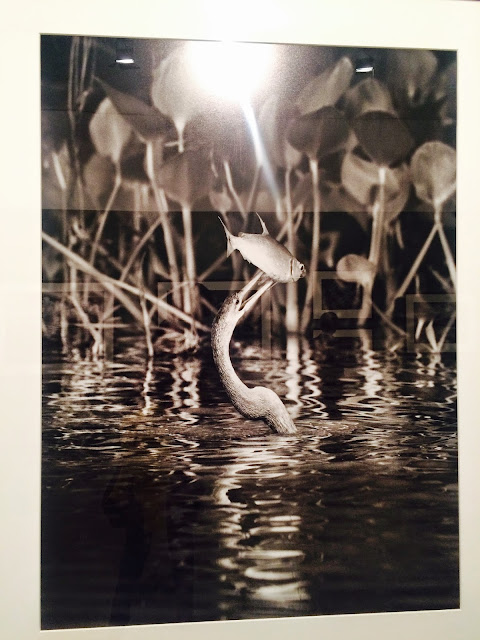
230 70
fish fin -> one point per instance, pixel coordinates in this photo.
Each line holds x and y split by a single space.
230 247
264 228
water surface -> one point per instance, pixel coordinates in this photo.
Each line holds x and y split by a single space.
160 503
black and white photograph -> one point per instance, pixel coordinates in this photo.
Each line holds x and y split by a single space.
249 329
239 332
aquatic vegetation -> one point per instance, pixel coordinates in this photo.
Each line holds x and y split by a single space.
348 171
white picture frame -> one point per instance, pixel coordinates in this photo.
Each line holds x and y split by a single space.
432 24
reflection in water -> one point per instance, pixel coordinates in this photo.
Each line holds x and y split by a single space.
293 375
184 390
262 572
158 493
150 406
312 382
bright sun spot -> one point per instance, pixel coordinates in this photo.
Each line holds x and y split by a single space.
230 70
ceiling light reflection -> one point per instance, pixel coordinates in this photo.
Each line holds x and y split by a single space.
230 70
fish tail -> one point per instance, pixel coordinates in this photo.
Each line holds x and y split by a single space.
230 247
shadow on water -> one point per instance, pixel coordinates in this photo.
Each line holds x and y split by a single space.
161 504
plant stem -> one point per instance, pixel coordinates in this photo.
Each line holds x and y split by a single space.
110 283
100 228
378 221
165 222
445 331
104 214
448 255
181 140
233 191
291 315
312 276
414 267
146 323
190 266
389 321
366 308
138 248
85 320
252 196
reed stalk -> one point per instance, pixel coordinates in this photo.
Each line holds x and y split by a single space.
233 191
146 324
110 284
377 247
445 246
160 201
312 276
414 268
190 267
291 304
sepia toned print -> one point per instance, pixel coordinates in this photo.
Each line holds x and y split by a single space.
258 433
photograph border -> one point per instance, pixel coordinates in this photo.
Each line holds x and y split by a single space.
429 24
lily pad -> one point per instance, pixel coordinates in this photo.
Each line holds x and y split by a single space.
325 89
98 176
383 136
273 124
147 121
186 177
368 95
446 91
319 134
355 268
174 91
410 76
433 170
109 131
361 179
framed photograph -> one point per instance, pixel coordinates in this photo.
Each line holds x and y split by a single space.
253 333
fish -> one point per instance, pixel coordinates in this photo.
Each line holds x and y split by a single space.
266 253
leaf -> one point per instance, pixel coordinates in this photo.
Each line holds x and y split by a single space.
410 75
336 199
397 191
320 133
55 129
174 92
433 170
186 177
446 90
325 89
220 200
430 333
383 136
109 131
368 95
302 192
146 120
273 124
361 178
355 268
98 176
